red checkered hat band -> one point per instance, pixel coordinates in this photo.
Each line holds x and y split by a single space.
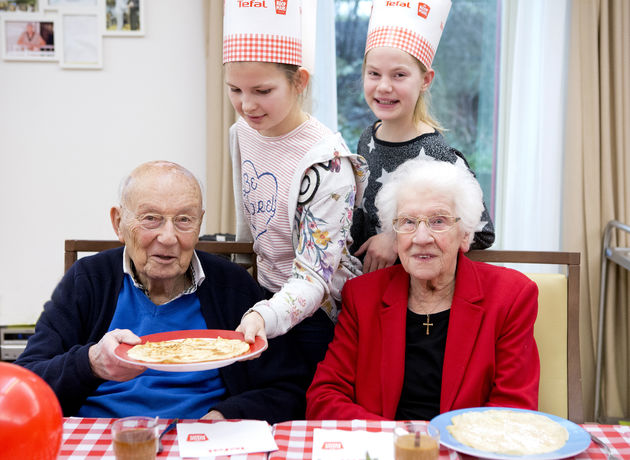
404 39
262 48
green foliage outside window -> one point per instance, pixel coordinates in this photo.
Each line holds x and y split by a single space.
18 5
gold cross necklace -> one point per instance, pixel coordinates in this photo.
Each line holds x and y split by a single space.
428 322
440 303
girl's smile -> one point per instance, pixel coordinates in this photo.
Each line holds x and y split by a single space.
393 81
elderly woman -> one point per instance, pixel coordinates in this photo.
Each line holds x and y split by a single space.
438 332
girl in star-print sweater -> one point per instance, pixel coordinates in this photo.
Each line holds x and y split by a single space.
397 75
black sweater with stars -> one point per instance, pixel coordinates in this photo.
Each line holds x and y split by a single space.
384 157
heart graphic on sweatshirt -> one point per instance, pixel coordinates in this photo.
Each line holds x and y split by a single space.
260 197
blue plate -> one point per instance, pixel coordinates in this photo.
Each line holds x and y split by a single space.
578 441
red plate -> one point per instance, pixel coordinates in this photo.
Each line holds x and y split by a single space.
258 346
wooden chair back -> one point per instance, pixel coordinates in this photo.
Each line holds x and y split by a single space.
556 329
228 248
570 342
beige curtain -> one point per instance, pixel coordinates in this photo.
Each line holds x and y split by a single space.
220 216
597 187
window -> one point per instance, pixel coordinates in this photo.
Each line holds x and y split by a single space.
464 92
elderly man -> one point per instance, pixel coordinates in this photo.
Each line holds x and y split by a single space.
157 283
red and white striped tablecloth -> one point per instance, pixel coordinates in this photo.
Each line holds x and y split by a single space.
295 439
90 438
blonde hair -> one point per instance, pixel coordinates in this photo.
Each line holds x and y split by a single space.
293 75
422 111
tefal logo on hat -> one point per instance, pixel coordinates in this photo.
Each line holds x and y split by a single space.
251 4
281 6
423 10
396 3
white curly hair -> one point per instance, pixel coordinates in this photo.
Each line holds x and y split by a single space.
453 180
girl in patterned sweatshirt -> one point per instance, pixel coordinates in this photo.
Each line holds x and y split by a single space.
397 74
295 181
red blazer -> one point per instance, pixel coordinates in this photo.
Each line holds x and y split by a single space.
490 359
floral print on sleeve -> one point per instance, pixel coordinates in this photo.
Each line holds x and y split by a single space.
323 222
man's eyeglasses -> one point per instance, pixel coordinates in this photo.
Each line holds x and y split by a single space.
435 224
183 223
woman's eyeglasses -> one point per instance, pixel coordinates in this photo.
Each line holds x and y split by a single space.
436 224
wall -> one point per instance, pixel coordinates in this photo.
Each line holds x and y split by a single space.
67 137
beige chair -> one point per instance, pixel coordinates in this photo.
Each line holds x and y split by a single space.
73 247
556 329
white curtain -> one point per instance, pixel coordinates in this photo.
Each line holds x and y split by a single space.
534 51
324 83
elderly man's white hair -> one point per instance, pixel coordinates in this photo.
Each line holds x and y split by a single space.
450 180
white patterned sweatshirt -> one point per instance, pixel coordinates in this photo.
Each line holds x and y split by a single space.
326 182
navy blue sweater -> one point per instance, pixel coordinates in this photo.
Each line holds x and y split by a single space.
270 388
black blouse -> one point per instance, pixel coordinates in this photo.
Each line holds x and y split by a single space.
424 357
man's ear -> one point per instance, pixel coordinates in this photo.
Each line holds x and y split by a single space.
203 211
115 214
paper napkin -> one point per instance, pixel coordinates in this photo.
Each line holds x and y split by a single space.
224 438
352 445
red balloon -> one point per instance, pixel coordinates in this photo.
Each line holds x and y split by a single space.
31 421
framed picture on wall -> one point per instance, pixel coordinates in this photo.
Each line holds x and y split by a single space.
80 40
56 4
28 37
123 18
24 6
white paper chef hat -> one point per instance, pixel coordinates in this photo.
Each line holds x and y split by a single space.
412 26
262 31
